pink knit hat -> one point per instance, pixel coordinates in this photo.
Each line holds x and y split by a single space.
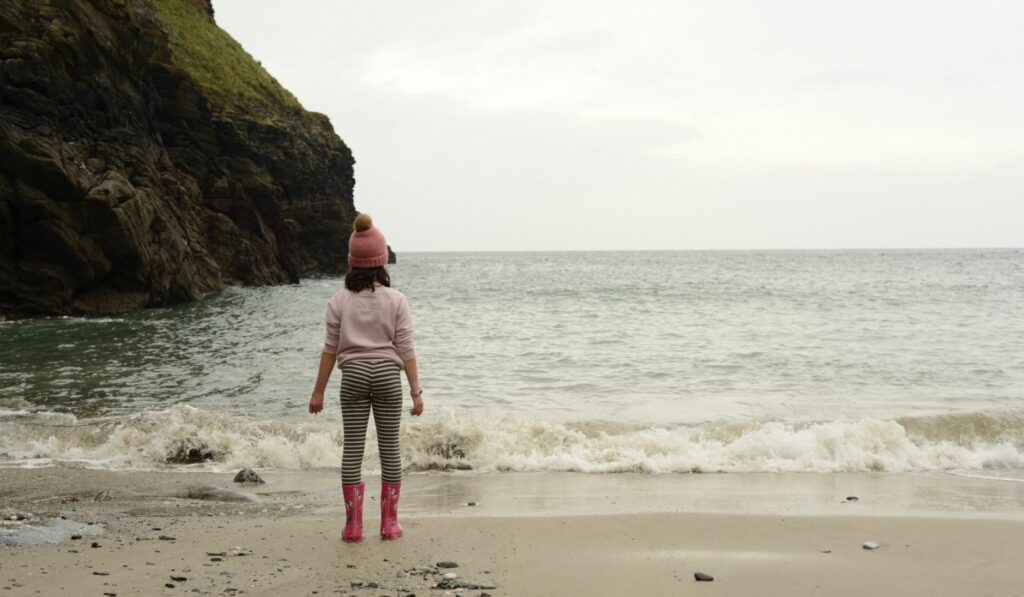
366 246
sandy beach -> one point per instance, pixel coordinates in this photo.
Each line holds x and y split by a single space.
527 534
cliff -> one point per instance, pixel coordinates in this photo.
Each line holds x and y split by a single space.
146 158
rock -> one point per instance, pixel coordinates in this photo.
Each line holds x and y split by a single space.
247 475
217 553
470 503
76 537
447 564
166 538
852 498
212 494
703 577
190 454
100 573
94 544
450 576
169 585
179 578
426 569
870 545
131 175
373 584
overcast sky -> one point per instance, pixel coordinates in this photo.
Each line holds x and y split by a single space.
532 125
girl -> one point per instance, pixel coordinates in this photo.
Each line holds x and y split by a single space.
369 336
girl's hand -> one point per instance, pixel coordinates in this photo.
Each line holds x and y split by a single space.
417 406
316 402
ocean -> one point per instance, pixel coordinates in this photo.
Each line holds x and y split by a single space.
596 362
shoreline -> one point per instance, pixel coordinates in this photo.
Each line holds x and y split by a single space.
527 534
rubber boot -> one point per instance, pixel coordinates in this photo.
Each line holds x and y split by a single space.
389 527
353 512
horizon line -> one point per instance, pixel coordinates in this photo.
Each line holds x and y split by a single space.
1003 248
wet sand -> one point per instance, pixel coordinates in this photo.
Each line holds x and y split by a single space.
528 534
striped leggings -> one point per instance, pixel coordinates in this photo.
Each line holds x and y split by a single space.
365 386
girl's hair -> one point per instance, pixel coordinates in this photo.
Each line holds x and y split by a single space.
361 278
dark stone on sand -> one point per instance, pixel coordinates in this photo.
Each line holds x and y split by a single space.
703 577
217 553
216 559
179 578
373 584
852 498
167 538
247 475
76 537
452 584
212 494
100 573
169 585
447 564
94 544
470 503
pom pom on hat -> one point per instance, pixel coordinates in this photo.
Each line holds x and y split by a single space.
362 223
366 246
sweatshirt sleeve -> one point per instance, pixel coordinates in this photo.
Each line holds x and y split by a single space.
333 322
403 331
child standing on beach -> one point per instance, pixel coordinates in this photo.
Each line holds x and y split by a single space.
369 337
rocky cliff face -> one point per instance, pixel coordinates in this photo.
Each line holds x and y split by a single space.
145 158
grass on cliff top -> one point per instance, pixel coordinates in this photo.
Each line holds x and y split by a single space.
231 78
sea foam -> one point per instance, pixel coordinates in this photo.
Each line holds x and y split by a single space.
458 441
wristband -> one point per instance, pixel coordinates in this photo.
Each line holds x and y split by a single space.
416 393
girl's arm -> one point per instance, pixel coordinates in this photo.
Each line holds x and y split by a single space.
316 401
412 374
328 358
403 343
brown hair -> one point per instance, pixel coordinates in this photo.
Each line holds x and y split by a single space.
361 278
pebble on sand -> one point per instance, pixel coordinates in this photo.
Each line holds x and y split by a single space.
247 475
870 545
447 564
703 577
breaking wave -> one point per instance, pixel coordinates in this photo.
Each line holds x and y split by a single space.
189 436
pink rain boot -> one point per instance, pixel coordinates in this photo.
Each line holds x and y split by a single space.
353 513
389 527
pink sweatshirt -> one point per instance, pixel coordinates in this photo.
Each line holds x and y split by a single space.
369 326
